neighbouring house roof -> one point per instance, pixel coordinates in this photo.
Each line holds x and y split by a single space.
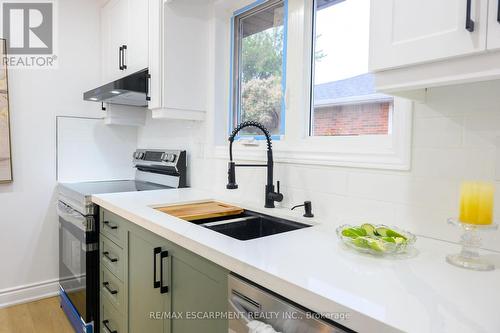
359 88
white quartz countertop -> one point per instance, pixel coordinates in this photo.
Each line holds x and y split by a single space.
418 294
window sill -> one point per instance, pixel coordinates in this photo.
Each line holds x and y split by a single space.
316 154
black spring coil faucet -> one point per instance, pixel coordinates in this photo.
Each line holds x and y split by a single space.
271 195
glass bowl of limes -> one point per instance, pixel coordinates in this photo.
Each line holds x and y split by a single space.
376 239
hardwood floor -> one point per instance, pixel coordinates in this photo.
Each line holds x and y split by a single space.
43 316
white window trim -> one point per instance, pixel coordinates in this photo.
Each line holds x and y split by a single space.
372 151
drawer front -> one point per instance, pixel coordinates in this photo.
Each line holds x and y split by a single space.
113 227
112 289
111 319
112 256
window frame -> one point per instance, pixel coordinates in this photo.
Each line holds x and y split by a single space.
235 60
391 152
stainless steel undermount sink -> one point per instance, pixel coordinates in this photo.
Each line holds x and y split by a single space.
250 225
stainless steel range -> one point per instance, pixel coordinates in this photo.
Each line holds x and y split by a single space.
79 235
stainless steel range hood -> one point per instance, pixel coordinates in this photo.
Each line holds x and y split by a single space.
130 90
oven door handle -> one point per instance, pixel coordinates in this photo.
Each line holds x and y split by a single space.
70 215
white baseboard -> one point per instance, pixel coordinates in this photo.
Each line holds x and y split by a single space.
28 293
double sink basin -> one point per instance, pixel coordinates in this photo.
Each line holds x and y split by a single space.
249 225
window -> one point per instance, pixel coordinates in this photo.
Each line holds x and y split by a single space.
258 69
319 49
344 100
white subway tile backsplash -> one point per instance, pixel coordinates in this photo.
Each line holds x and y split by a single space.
456 137
464 99
404 189
380 187
454 164
482 130
438 132
319 179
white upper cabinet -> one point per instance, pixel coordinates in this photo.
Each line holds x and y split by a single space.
415 45
124 25
407 32
179 58
114 36
136 54
494 25
170 38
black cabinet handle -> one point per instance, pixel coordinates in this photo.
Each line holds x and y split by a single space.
148 84
105 323
120 58
106 254
469 23
163 288
498 12
124 47
156 252
110 226
111 291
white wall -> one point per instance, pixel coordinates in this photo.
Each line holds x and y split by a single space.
29 228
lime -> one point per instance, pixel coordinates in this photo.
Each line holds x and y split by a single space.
361 242
350 233
392 233
400 240
389 239
369 228
360 231
377 245
381 231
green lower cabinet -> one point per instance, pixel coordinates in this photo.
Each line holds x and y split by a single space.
198 295
167 289
146 303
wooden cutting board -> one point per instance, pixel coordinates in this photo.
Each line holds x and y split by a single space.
201 210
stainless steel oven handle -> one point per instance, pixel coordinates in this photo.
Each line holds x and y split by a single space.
72 216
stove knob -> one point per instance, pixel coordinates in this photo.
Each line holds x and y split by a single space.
135 155
168 158
140 156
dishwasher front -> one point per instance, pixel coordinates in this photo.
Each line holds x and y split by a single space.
248 302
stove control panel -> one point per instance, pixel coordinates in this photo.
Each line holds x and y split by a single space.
159 158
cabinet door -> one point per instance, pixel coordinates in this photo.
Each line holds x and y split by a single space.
494 25
199 288
145 302
114 35
185 55
404 32
136 54
155 56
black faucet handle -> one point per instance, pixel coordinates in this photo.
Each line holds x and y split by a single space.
231 176
278 187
